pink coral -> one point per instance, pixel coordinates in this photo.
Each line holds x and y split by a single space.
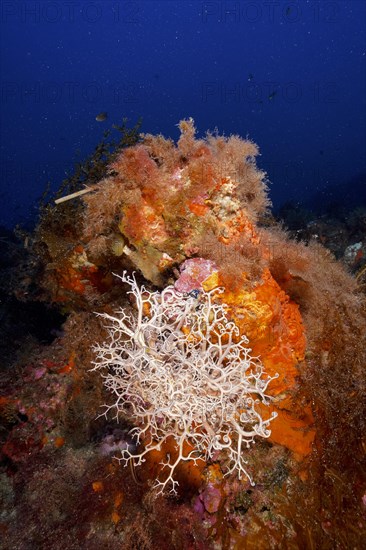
211 498
193 273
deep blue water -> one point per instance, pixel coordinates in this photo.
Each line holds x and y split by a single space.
290 75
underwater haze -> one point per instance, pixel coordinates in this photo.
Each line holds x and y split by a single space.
289 75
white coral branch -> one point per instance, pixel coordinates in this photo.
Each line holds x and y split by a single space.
180 368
